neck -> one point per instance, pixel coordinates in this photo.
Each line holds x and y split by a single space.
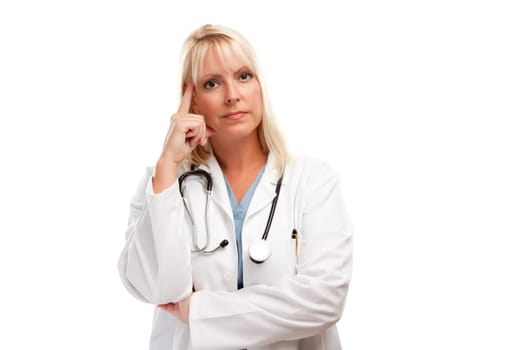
239 156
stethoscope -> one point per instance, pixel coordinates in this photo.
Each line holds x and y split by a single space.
259 251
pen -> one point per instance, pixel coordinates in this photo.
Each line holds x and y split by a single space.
295 237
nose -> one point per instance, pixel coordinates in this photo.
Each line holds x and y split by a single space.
231 100
232 94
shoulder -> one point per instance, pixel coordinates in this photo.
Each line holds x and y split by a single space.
305 165
312 183
309 172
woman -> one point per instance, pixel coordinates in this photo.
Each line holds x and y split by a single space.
266 262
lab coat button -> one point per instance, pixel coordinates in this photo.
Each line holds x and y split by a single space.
228 275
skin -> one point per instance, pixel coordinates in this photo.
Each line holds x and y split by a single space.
227 98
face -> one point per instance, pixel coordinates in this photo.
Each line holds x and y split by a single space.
228 95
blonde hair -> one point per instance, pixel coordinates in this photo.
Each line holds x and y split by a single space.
194 53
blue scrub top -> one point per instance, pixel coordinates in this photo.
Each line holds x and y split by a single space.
239 213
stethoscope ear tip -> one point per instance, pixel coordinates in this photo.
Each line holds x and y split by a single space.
224 243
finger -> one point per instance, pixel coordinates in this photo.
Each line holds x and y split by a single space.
199 137
194 142
193 137
170 307
185 102
209 131
202 138
197 132
191 134
164 306
169 131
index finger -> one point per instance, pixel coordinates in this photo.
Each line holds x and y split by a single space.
185 101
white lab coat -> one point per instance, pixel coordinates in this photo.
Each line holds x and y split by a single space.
288 302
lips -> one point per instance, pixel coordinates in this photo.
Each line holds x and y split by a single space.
234 115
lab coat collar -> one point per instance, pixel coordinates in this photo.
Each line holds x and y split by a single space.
265 191
263 195
219 193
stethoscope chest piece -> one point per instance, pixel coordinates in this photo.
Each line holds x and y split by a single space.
260 251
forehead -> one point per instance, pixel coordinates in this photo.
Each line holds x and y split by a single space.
223 57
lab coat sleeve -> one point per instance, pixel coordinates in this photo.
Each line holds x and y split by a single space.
301 306
155 264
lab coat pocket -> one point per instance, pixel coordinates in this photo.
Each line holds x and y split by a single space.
212 271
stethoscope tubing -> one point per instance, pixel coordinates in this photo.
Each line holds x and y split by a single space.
209 187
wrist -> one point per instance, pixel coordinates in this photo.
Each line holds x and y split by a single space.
166 163
165 175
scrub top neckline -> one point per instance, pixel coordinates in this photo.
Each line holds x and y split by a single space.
246 198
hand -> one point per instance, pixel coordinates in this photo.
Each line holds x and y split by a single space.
181 310
186 131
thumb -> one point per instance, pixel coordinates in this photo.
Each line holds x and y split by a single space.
209 132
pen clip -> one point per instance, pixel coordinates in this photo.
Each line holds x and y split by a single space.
295 236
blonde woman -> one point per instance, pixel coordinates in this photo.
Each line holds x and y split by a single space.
236 242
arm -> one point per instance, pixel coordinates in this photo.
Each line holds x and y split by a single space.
155 264
303 305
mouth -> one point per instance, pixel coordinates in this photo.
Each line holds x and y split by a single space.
234 115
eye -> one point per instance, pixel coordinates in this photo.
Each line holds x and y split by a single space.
245 76
210 84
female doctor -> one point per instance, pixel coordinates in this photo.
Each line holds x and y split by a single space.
237 243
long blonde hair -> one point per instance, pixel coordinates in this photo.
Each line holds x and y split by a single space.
194 53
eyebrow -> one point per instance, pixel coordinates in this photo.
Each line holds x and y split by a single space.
213 75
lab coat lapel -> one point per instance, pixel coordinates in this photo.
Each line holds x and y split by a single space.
262 197
265 191
219 193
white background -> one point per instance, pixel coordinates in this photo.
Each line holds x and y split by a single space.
419 105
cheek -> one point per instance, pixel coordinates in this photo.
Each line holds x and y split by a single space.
205 105
257 100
